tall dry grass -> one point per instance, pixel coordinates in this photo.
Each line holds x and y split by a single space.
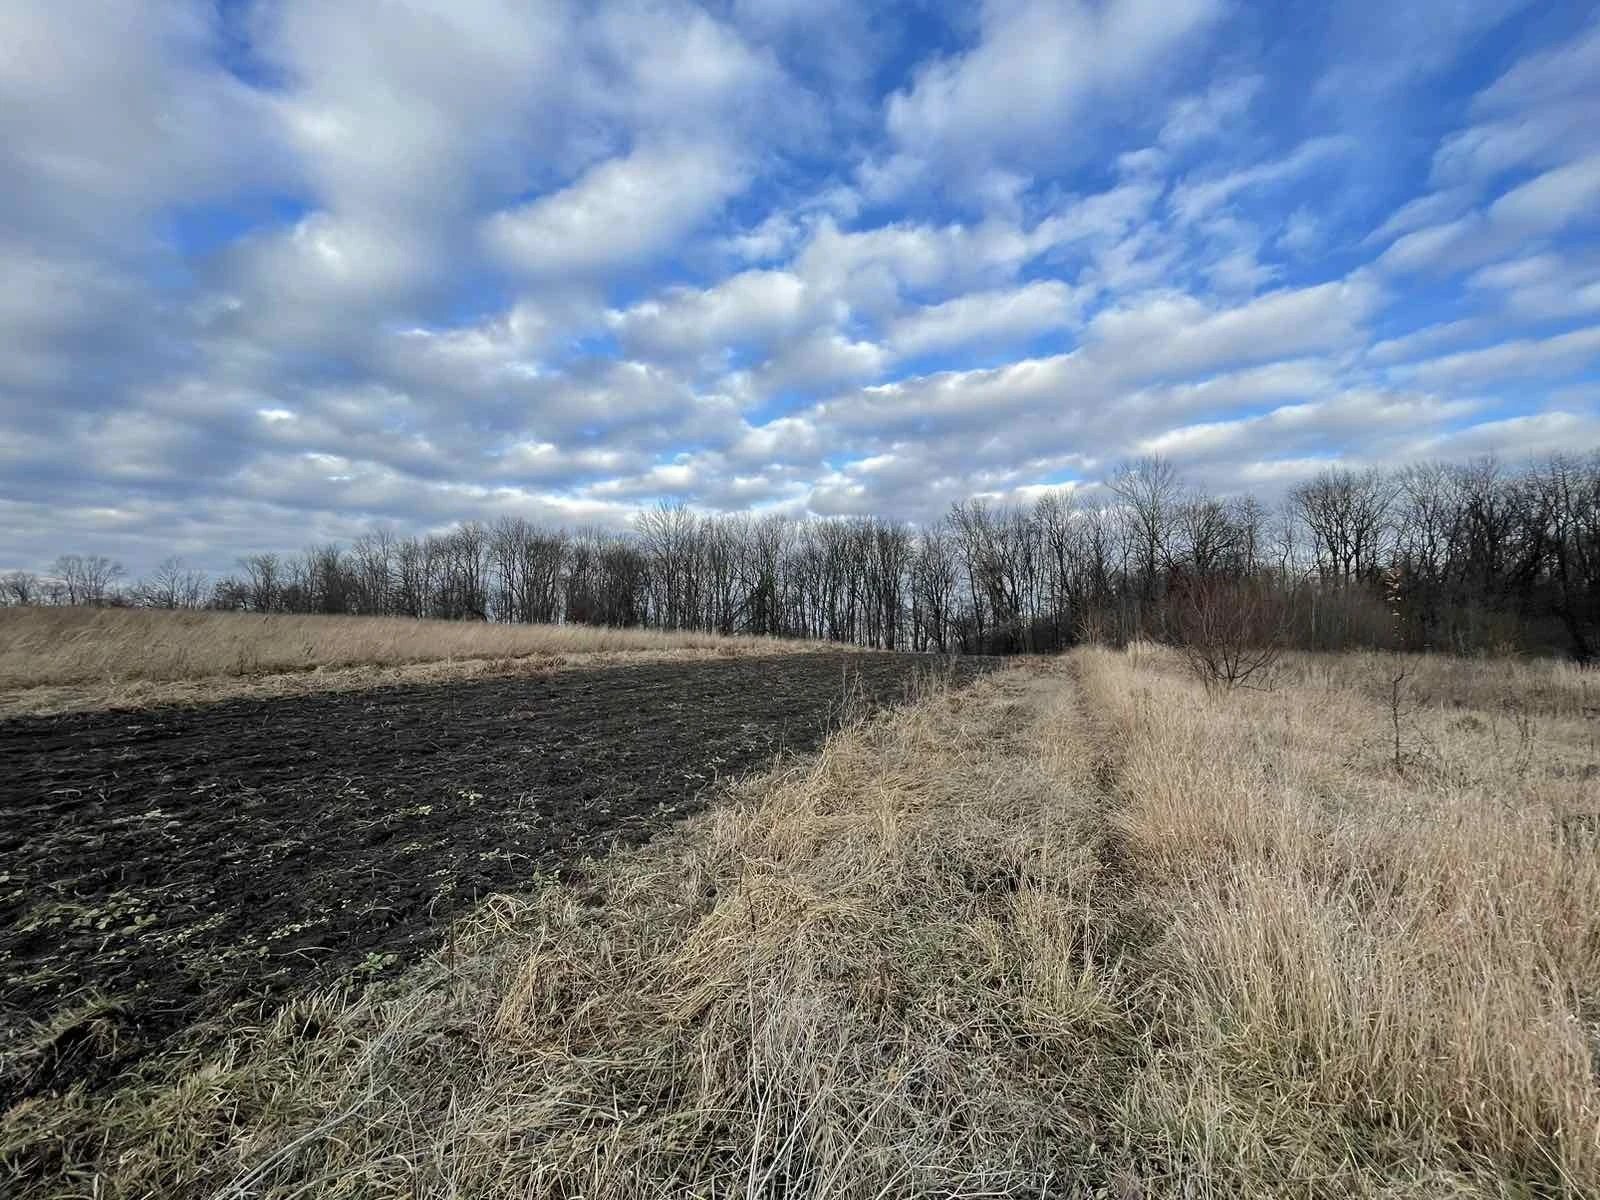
1377 974
1552 687
1078 930
52 647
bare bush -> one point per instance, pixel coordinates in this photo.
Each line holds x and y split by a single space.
1231 631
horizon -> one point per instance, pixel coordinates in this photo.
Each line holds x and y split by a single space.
283 273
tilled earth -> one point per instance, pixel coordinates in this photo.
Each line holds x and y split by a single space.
164 867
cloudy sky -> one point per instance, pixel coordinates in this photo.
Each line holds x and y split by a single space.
280 270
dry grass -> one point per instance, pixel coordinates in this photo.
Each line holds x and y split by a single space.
1558 688
1372 978
1077 930
55 659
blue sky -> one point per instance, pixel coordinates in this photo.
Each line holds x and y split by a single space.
281 270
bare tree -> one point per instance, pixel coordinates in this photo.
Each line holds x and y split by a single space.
1151 495
21 587
264 582
1467 557
171 585
87 578
1348 516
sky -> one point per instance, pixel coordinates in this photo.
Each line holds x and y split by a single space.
280 271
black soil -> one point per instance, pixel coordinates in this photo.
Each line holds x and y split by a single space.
166 867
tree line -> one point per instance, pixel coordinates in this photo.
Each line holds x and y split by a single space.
1460 557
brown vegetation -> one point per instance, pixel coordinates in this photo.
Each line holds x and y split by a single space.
1079 929
53 659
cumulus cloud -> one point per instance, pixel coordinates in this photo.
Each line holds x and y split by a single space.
1563 354
620 214
1034 66
1179 334
995 318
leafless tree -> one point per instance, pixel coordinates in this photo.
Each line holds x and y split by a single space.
1151 495
171 585
20 587
1463 556
1348 516
263 586
87 578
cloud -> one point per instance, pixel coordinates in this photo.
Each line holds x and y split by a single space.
1034 67
278 270
1208 115
1426 211
108 112
1421 342
1565 354
1178 334
620 214
994 319
748 311
1544 286
1552 200
1570 68
1547 204
380 98
1358 421
1192 201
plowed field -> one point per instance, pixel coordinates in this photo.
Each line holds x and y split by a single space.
162 868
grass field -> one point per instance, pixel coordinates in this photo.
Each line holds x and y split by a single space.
58 659
1076 929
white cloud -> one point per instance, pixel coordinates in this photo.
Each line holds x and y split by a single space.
1565 354
619 214
1193 200
821 360
1178 334
1547 204
1482 152
1034 66
1543 286
1551 201
749 309
1454 244
288 267
1432 209
993 319
1196 118
1301 233
1428 339
1529 436
1549 76
108 110
398 111
1357 420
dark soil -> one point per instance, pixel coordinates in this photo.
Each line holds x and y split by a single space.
167 867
